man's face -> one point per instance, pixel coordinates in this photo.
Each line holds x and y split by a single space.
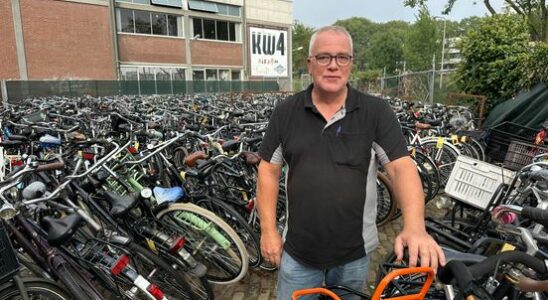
330 78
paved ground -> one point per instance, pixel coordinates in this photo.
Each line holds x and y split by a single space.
261 285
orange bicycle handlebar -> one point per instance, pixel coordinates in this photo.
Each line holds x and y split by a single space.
382 285
321 291
399 272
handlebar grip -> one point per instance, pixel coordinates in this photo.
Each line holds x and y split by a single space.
50 167
536 214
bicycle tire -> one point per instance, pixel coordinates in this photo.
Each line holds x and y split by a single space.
386 204
432 170
239 224
37 288
444 157
203 245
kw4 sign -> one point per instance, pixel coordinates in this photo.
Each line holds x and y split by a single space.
268 49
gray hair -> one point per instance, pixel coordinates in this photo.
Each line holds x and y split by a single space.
333 28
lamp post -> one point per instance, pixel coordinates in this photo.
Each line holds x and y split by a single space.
442 49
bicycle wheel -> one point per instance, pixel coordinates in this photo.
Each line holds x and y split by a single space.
239 224
174 283
386 204
444 155
210 239
37 289
431 169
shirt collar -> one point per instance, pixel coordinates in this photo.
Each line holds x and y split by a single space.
351 103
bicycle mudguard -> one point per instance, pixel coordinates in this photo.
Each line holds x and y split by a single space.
400 272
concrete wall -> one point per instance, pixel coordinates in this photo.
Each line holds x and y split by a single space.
8 53
67 40
271 11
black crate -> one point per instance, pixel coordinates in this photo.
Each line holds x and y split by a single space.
500 136
521 154
8 259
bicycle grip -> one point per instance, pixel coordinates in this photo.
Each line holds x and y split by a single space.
536 214
50 167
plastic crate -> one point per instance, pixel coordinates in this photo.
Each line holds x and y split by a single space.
474 181
521 154
8 260
500 136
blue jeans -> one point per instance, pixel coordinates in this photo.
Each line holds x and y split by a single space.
293 276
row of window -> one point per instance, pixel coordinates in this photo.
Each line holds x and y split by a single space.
176 73
216 29
198 5
144 22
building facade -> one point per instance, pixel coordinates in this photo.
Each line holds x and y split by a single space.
158 40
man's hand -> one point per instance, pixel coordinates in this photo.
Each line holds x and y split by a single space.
420 245
271 247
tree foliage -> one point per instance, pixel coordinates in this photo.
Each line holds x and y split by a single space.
300 38
423 41
499 60
535 12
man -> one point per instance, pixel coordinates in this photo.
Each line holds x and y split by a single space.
327 135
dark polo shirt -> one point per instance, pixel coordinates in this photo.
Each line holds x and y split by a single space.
331 190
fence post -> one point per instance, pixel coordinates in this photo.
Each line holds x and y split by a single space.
3 88
431 93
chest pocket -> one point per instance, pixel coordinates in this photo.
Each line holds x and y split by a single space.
352 150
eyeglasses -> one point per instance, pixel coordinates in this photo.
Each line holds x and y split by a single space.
325 59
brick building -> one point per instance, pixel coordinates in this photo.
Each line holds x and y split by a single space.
158 40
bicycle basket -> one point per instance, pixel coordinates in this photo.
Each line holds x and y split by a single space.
8 259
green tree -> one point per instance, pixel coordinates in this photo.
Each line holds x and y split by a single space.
300 40
535 12
422 42
385 50
495 58
361 30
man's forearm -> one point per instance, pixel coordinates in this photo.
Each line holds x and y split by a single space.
407 189
267 197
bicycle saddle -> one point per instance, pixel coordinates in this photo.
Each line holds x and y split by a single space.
231 145
121 204
60 230
168 194
251 158
15 137
34 190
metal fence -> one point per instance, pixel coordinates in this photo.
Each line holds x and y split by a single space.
14 91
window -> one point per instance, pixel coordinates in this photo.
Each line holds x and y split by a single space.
198 28
171 3
179 74
235 75
209 29
198 75
159 24
216 29
203 6
216 8
222 30
144 22
146 73
126 20
211 74
173 25
135 1
163 74
128 73
224 75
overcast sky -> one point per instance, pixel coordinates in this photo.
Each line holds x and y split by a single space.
317 13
